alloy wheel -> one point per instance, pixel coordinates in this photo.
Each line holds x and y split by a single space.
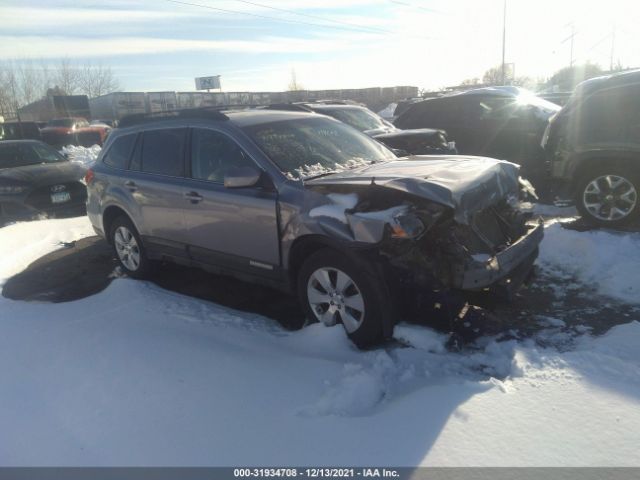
610 197
334 297
127 248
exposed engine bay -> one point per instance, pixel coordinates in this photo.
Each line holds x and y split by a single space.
423 242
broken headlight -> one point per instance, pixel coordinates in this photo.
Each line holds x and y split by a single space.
413 223
406 225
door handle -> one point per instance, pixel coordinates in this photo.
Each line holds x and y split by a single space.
193 197
131 185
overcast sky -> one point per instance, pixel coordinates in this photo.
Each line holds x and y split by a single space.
164 44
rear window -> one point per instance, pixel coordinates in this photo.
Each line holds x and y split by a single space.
163 151
120 151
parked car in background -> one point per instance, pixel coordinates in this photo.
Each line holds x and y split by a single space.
341 221
593 145
74 131
498 122
36 179
102 123
19 131
424 141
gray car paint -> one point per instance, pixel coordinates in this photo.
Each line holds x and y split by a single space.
261 227
464 183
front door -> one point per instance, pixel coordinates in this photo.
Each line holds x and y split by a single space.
229 227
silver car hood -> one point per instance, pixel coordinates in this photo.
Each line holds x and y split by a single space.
466 184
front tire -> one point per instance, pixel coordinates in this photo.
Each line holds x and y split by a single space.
334 288
128 248
609 196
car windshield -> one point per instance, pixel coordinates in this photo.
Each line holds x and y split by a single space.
308 147
545 107
61 122
358 118
21 155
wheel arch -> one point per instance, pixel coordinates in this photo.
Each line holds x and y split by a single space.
590 160
109 215
305 246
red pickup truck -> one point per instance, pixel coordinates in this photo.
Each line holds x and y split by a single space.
73 131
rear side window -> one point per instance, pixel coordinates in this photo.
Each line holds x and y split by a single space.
163 151
120 151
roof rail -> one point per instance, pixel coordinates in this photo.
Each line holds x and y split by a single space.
329 101
291 107
211 113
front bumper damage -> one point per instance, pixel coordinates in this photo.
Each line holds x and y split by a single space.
475 275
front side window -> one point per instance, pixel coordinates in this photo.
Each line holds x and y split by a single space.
120 151
312 146
163 151
213 154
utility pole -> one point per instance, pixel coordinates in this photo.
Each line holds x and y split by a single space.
504 39
570 37
573 34
613 42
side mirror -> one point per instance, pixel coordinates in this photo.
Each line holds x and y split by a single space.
242 177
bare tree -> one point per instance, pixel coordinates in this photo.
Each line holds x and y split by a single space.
8 101
96 80
294 86
23 81
67 77
30 82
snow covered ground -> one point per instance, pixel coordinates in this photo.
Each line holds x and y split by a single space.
137 375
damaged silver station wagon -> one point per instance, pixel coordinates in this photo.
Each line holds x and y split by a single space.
307 204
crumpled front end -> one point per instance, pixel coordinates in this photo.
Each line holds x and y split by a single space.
454 232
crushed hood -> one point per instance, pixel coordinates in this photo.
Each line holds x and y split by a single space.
464 183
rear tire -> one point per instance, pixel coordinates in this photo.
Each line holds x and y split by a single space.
609 196
128 248
334 288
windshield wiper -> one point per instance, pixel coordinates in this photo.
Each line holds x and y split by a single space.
319 175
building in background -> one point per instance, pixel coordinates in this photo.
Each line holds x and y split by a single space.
115 106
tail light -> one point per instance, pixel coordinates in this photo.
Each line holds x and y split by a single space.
88 178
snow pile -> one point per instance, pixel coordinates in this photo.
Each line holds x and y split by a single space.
85 155
606 261
136 375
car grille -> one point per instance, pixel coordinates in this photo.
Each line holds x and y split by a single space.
40 198
492 230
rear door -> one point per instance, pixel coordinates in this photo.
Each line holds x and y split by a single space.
230 227
155 181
